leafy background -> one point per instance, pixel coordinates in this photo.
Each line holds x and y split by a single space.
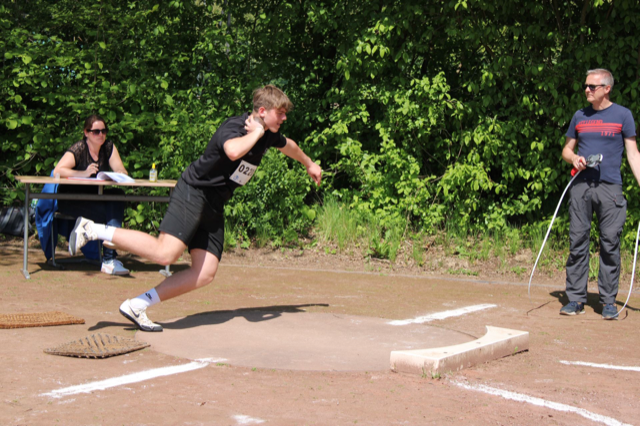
423 115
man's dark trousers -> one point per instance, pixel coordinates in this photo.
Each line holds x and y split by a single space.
610 207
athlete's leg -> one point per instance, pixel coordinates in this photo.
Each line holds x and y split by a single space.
202 271
180 224
114 216
163 250
204 266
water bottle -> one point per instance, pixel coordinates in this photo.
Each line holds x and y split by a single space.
153 173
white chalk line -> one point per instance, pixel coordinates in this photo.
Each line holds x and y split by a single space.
607 366
442 315
246 420
609 421
131 378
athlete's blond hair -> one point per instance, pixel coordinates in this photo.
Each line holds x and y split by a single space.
270 97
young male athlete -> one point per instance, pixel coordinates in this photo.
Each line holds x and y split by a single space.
194 218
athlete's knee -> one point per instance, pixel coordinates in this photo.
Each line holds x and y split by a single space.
206 277
168 250
167 258
206 274
164 255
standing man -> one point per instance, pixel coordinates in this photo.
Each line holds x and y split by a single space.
608 129
194 218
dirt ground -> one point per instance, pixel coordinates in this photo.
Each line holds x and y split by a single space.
315 281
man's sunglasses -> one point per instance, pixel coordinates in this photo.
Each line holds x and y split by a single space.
592 87
98 131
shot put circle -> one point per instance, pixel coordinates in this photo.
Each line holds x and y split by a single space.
295 340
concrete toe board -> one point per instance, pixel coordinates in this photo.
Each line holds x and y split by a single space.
295 341
496 343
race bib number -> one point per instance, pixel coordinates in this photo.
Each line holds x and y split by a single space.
243 173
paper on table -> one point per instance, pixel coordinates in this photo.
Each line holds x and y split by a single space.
102 176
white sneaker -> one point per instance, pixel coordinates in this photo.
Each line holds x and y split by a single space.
114 267
138 317
81 235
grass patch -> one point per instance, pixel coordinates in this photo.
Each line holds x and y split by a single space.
462 271
337 224
347 228
519 270
594 266
485 247
417 249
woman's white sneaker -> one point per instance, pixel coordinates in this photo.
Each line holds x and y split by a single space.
114 267
138 317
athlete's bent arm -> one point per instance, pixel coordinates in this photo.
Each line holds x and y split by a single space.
569 154
633 156
292 150
237 148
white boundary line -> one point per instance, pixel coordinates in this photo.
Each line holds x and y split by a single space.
609 421
246 420
442 315
131 378
607 366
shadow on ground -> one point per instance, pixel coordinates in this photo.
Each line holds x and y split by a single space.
593 301
258 314
80 264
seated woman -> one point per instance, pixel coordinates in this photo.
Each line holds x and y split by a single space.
85 158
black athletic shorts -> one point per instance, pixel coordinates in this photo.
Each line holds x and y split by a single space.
195 217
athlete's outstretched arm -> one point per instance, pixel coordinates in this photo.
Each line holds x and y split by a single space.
292 150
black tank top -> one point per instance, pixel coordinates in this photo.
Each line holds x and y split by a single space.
80 151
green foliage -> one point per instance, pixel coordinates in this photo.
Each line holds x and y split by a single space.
273 204
65 60
422 114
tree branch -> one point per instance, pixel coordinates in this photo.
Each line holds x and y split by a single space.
556 12
583 18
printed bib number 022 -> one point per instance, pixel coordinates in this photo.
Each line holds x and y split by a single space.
243 173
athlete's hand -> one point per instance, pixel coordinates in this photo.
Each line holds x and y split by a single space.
253 125
315 172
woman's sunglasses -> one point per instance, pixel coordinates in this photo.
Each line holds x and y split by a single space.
98 131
